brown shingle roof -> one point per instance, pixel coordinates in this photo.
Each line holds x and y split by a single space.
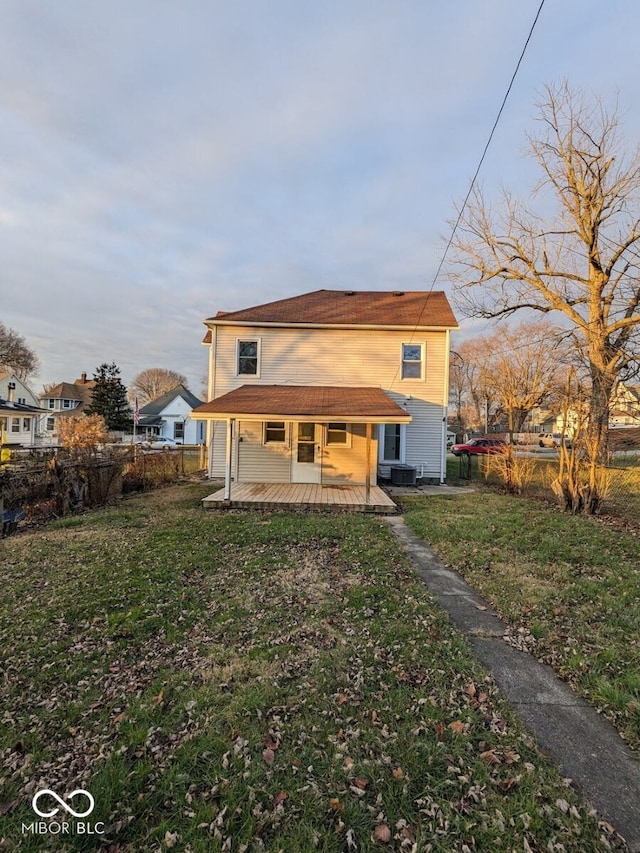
305 402
350 308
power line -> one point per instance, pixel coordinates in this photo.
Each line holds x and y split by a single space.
477 172
486 147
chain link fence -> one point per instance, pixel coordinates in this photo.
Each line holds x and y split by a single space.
621 477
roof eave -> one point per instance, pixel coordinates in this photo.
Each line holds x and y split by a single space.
213 321
337 417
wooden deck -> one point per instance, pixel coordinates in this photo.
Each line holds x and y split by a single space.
302 496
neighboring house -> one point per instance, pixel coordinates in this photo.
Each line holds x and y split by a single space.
624 410
169 416
330 387
67 399
19 412
18 423
22 394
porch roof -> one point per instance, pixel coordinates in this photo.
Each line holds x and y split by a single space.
321 403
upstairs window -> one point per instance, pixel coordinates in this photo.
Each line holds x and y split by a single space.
248 357
51 403
412 361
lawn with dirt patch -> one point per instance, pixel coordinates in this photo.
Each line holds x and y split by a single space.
569 586
255 682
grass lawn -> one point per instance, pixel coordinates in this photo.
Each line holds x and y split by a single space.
569 587
257 682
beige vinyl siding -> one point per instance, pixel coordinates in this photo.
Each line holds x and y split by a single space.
343 357
272 460
347 464
332 357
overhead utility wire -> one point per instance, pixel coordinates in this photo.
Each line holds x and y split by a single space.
482 158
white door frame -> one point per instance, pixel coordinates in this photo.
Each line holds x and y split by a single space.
303 439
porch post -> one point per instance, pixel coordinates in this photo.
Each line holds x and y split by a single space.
227 469
367 481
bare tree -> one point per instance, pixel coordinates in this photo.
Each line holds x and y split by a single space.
15 355
508 373
478 406
580 261
523 369
152 383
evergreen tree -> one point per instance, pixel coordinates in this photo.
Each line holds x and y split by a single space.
110 398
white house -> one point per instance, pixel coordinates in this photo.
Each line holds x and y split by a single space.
169 416
18 419
16 389
329 387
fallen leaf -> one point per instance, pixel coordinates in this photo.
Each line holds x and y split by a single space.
457 726
382 833
280 797
490 757
170 839
336 805
361 782
398 773
268 755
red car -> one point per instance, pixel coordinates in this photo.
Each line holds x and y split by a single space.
475 446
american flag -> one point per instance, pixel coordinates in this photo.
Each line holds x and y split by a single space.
136 414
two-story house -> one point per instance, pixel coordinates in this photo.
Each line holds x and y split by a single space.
19 412
330 387
66 399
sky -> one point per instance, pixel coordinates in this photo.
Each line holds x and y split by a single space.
162 161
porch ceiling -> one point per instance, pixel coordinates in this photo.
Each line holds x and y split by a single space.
313 403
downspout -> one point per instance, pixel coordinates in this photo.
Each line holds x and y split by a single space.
229 449
211 392
445 410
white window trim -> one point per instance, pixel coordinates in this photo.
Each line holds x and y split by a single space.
264 432
244 339
348 443
403 445
423 360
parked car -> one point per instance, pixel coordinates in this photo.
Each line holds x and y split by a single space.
554 439
160 442
477 446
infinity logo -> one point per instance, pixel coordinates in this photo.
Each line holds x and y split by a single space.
64 805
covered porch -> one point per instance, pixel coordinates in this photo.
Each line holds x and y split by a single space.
301 445
312 496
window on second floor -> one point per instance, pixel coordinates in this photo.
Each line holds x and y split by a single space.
248 358
413 361
51 403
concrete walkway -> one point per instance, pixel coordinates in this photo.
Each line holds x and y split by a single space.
583 744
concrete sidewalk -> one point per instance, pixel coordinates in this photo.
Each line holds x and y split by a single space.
582 744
